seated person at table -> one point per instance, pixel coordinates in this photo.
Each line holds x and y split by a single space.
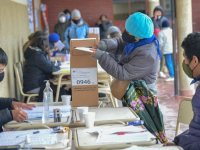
190 139
54 38
38 68
10 108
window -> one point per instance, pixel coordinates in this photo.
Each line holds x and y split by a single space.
123 8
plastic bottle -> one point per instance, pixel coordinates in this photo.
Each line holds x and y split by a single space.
49 92
45 113
27 145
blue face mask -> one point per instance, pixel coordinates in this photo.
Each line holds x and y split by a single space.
68 16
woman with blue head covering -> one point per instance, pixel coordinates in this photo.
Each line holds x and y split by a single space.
138 66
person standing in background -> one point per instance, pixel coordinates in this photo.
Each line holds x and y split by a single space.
76 29
61 26
166 47
158 19
103 23
114 32
67 14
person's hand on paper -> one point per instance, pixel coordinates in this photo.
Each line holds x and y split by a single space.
94 49
19 105
19 115
55 48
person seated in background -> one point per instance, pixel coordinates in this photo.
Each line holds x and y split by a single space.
166 47
10 108
61 26
54 39
67 14
103 23
190 139
114 32
38 68
26 45
76 29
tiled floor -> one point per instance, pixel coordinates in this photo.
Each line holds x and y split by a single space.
169 105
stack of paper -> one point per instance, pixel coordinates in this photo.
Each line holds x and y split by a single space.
37 111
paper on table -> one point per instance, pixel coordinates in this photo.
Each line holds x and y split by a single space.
10 137
86 49
39 109
139 148
59 45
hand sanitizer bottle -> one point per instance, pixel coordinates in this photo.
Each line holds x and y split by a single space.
45 112
49 92
27 145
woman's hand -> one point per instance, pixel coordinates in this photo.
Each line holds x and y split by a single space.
94 49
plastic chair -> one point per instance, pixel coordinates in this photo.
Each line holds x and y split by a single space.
19 76
185 113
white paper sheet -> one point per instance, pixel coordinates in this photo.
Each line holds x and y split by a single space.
11 137
86 49
59 45
39 109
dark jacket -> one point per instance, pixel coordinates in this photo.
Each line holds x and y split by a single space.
60 28
104 29
190 139
5 111
158 22
37 68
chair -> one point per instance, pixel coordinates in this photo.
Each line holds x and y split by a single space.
185 113
19 76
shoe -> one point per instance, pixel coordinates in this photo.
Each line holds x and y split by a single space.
161 75
169 79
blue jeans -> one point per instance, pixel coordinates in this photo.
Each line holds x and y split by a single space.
169 63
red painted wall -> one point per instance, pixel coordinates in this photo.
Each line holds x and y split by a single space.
195 15
90 9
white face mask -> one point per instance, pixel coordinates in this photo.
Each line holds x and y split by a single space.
108 36
62 19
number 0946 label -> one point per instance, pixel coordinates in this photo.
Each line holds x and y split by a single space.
84 76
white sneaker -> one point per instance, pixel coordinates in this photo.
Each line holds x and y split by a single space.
161 75
169 79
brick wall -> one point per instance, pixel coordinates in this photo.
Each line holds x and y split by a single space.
195 15
90 9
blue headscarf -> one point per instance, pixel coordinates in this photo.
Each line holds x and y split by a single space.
129 47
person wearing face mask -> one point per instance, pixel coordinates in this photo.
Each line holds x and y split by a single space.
137 68
67 14
37 67
61 26
76 29
103 23
10 108
158 19
114 32
190 139
138 48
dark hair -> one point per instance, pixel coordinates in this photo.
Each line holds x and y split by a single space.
66 11
191 45
102 16
115 34
40 40
3 57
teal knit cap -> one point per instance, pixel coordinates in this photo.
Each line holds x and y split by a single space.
140 25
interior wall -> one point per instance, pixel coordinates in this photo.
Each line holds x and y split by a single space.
14 31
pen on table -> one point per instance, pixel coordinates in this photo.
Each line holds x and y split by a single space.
35 132
123 133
